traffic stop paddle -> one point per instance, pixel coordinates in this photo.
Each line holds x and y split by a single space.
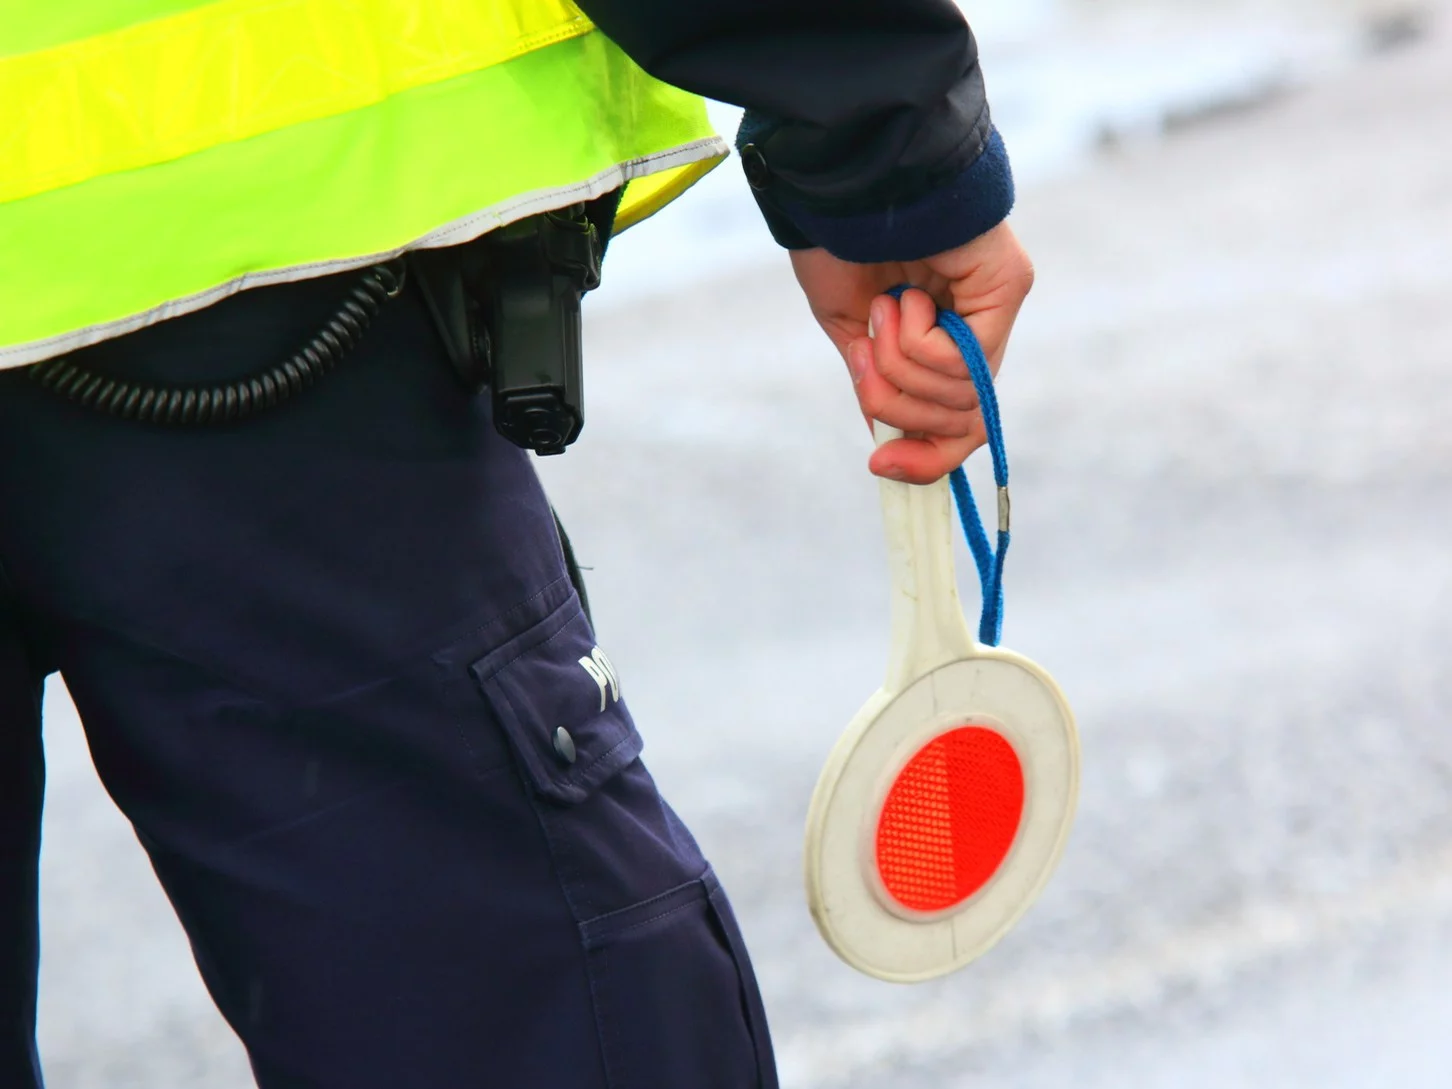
944 807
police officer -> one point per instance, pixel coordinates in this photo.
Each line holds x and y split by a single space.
323 641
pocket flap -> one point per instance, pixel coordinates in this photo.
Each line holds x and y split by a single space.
557 697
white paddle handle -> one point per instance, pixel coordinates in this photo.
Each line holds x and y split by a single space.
928 626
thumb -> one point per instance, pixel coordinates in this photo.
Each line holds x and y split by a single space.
992 325
988 280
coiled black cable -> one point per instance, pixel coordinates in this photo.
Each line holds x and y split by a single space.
231 401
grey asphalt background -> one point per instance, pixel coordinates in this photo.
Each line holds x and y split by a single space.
1227 410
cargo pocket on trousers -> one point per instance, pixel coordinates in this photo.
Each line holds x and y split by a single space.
676 1000
557 698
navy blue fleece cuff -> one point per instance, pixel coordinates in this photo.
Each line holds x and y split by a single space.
974 202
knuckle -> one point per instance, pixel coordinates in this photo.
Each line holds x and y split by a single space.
966 400
878 406
953 423
1024 273
940 350
899 371
915 343
887 363
909 343
909 417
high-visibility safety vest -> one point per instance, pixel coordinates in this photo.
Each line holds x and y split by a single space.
158 155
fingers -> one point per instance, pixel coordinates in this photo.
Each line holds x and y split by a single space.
920 359
919 337
916 381
989 279
909 389
881 400
911 375
991 326
923 460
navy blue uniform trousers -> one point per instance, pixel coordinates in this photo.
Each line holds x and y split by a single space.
322 658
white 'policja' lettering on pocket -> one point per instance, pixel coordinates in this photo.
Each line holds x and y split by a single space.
603 673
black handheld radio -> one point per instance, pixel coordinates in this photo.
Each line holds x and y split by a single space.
508 307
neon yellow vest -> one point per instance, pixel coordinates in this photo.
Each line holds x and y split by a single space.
158 155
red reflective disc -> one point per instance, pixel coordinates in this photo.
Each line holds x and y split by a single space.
950 819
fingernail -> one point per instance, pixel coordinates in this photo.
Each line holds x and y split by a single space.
857 360
871 328
894 472
876 316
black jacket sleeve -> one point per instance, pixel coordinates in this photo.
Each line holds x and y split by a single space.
867 130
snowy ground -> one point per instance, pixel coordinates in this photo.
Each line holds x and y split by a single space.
1226 409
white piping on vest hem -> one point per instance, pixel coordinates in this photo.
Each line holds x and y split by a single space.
459 231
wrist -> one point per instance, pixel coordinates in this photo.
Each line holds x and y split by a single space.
966 206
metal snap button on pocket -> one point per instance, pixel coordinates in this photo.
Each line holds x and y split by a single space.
565 745
753 163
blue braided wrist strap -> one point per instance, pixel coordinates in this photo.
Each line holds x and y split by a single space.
989 559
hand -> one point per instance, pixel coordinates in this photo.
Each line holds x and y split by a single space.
908 372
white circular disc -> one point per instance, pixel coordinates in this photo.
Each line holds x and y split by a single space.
859 919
